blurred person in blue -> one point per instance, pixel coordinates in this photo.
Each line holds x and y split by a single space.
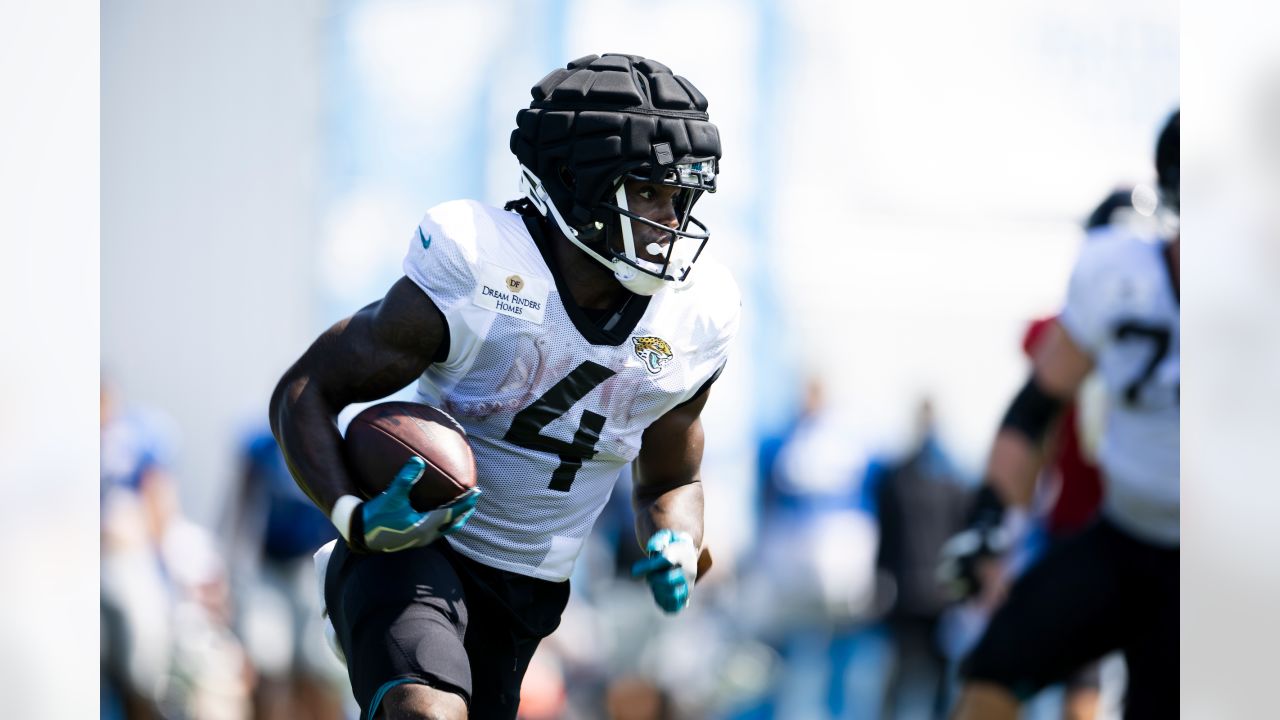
1114 585
921 501
139 503
812 577
570 333
274 530
167 648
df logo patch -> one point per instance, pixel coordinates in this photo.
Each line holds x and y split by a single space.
653 351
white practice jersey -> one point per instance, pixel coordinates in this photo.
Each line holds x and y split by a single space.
1122 308
553 406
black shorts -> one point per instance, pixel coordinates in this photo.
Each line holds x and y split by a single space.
433 616
1097 592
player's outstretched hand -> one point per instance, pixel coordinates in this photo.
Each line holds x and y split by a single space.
670 569
387 522
968 558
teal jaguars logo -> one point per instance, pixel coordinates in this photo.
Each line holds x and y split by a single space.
653 351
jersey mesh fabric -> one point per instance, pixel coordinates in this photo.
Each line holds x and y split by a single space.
1123 310
499 365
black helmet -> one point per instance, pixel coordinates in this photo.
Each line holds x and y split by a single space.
1113 206
1167 153
603 119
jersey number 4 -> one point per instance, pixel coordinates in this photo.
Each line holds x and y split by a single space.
526 427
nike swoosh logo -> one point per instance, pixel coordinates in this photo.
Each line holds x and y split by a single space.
426 241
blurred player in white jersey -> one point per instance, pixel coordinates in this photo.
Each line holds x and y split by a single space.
1114 586
570 334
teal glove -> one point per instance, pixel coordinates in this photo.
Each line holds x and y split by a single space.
388 523
670 569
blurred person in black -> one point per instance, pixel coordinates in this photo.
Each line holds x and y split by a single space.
920 502
274 530
1115 584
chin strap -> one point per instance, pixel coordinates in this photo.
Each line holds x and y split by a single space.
636 281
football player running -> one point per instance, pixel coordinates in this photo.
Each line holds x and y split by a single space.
570 334
1115 584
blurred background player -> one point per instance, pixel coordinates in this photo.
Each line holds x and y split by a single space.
570 334
1115 584
920 501
273 531
167 646
1071 482
1068 495
812 574
1069 486
138 505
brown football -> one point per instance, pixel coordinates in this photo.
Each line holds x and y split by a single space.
382 438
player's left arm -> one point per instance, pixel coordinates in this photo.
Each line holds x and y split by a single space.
999 513
667 499
1060 368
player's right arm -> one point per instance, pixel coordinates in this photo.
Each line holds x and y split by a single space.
380 349
999 512
1060 368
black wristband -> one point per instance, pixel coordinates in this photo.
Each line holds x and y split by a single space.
1032 411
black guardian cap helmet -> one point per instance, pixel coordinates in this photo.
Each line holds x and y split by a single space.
604 119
